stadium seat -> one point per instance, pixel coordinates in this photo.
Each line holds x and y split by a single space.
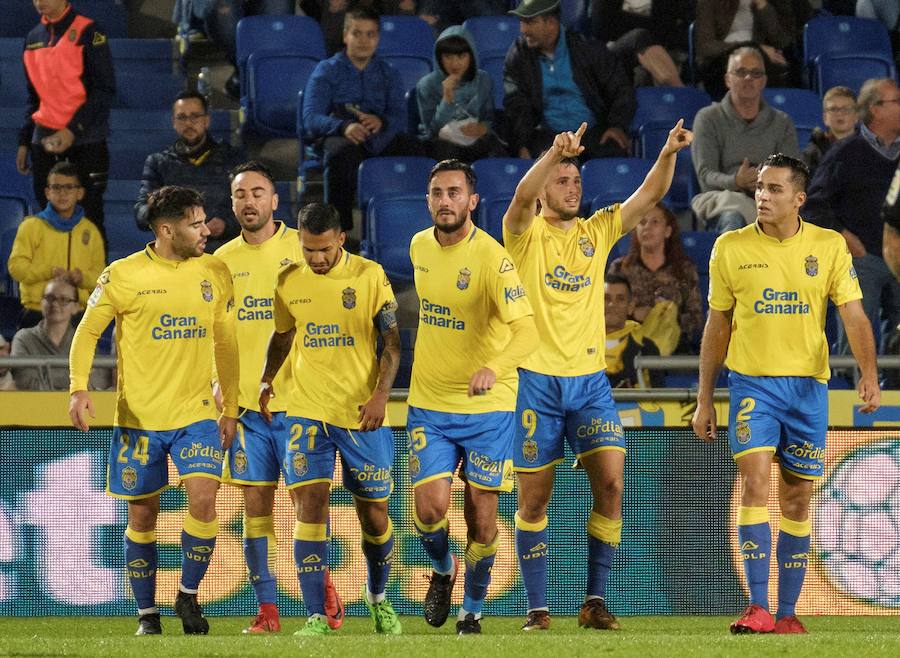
411 68
10 309
803 106
274 78
493 64
296 34
497 180
19 17
147 91
396 176
667 105
13 89
307 158
12 211
611 180
620 248
489 215
391 223
110 15
698 246
651 138
131 56
851 70
835 35
123 237
413 120
493 35
12 183
406 35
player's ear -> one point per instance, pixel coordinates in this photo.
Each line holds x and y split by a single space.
473 201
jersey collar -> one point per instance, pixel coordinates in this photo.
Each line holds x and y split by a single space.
156 258
787 241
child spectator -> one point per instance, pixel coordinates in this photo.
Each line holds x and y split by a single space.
624 338
455 101
839 114
57 242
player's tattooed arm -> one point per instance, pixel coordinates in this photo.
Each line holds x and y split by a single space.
371 414
279 348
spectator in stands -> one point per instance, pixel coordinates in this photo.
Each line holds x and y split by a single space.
730 138
331 15
456 103
60 241
640 32
52 336
664 282
848 191
7 383
354 108
890 213
441 14
70 89
772 25
839 114
196 160
886 11
625 338
555 79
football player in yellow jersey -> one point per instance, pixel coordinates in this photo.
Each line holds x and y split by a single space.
770 283
255 257
563 390
173 306
330 309
475 327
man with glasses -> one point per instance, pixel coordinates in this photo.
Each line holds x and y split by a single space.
848 190
198 161
59 241
731 138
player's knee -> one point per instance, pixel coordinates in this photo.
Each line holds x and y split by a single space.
611 487
755 489
483 531
373 517
533 509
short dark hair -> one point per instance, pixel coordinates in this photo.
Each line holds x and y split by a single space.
612 279
171 203
67 169
319 218
799 170
192 94
361 14
256 167
455 165
565 161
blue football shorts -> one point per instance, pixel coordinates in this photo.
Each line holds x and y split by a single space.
310 452
784 415
439 441
255 456
138 468
549 410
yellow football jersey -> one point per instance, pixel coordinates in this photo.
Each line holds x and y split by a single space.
335 370
468 294
170 316
254 271
779 291
563 274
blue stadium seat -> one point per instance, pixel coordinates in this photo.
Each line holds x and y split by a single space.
851 70
110 16
413 120
142 55
19 17
493 64
12 183
147 91
406 35
13 89
391 223
274 78
612 180
651 138
497 180
843 35
411 68
123 237
296 34
802 105
307 158
396 176
667 105
489 215
698 246
493 35
10 309
11 120
12 211
11 49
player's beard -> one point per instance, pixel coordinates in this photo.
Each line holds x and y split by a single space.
561 211
458 223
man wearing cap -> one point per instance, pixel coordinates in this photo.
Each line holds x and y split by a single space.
555 78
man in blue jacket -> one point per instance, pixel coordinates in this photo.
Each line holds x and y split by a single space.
354 108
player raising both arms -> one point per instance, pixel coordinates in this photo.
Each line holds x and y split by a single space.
173 307
563 390
331 309
769 286
475 327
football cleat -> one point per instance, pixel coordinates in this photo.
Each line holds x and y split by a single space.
266 621
789 624
386 620
595 614
468 626
315 625
437 599
149 624
334 606
537 620
192 619
755 619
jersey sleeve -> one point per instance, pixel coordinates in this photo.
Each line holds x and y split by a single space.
844 284
517 243
226 345
605 226
385 311
101 309
284 321
504 288
721 295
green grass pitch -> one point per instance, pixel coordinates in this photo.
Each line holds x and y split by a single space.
645 637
